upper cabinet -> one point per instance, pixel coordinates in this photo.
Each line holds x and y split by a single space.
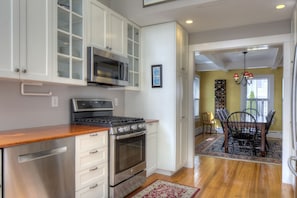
70 50
133 43
106 29
26 38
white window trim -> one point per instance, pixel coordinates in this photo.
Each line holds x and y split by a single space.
270 78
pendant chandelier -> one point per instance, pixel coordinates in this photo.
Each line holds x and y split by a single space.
245 77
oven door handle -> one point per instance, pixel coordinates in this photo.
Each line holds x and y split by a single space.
120 137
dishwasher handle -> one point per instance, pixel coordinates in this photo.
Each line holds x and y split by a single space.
42 154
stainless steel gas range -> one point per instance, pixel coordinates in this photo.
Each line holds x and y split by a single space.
127 165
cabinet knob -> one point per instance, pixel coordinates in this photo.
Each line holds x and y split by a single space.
17 70
24 71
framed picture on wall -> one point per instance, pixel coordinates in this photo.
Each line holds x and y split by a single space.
156 76
153 2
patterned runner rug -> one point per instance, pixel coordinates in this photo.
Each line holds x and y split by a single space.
213 147
167 189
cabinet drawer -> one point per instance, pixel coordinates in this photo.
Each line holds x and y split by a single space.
91 175
90 158
91 141
97 189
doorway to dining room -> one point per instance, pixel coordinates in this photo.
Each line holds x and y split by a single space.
285 99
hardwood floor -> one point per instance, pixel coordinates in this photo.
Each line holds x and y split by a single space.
229 178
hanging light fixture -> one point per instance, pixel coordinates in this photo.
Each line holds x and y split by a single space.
245 77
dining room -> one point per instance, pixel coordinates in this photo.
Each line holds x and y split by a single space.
235 100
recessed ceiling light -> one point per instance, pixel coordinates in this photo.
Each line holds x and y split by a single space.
189 21
280 6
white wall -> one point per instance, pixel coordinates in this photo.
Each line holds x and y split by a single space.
17 111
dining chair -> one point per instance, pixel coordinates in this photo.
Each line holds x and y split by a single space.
222 115
208 121
242 128
269 119
252 111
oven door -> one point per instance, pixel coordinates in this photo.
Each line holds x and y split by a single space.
127 156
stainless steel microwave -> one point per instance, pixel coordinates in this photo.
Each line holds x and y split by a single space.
106 68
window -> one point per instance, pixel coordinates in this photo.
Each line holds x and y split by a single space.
259 94
196 95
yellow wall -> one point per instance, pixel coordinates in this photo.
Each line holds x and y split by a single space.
233 92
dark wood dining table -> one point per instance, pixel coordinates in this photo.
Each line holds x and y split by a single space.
260 123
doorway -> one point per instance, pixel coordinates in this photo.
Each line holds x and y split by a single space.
284 40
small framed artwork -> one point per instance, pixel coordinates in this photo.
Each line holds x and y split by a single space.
156 76
153 2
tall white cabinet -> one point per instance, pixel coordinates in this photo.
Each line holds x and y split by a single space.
164 44
26 39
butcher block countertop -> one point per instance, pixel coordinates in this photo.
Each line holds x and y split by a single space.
30 135
151 121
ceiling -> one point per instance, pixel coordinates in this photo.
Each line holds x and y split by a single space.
209 15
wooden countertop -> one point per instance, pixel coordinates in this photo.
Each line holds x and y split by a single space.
30 135
151 121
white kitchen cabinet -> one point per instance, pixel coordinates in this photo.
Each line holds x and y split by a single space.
26 39
151 148
133 51
69 46
106 29
91 165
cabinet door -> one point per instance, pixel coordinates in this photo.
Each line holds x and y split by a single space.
9 39
97 25
133 52
35 41
116 33
181 120
151 148
69 42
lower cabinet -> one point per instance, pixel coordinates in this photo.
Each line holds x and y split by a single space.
91 168
151 148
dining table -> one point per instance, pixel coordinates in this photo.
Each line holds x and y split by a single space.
261 123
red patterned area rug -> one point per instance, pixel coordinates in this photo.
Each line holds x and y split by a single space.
213 147
166 189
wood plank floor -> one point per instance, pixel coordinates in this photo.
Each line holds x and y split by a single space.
229 178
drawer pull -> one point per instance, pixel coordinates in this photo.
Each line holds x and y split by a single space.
94 134
93 152
93 169
94 186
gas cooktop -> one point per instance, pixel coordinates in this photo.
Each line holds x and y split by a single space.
99 112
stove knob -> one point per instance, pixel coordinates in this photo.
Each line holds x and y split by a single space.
120 130
127 128
141 126
134 127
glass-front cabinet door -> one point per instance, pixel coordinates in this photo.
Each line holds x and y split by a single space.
134 55
70 55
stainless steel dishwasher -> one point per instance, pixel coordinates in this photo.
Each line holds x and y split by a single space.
40 170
